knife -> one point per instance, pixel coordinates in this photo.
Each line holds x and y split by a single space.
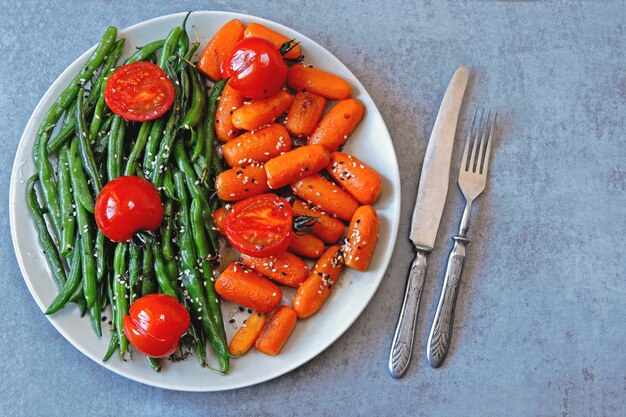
431 197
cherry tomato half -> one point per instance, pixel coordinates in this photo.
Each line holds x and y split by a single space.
255 67
260 226
127 205
155 324
139 92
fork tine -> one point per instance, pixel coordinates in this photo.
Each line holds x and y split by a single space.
488 151
465 159
476 144
481 151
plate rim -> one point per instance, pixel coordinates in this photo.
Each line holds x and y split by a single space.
37 114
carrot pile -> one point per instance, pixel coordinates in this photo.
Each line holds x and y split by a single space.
335 188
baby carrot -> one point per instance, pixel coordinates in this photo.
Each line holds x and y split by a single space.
219 47
219 218
338 124
230 100
326 228
296 164
248 288
326 195
319 283
322 83
257 30
286 268
276 331
361 238
241 182
305 112
262 111
306 245
356 177
247 334
257 146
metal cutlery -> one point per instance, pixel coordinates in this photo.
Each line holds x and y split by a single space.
431 197
472 182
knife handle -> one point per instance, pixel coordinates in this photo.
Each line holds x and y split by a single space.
441 330
402 346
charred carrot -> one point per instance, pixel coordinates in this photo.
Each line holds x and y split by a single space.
257 146
307 246
276 331
326 228
322 83
357 178
219 47
219 218
361 238
247 334
262 111
248 288
338 124
230 101
286 268
305 112
257 30
296 164
241 182
319 283
326 195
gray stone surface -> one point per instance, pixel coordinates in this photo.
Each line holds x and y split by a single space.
540 325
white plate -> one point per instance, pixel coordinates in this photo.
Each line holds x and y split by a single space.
370 142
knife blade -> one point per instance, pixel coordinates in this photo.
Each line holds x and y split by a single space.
431 198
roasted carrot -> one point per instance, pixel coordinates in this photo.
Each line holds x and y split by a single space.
361 238
326 195
357 178
257 146
247 334
257 30
306 245
219 47
338 124
260 112
219 218
248 288
276 331
296 164
326 228
305 112
286 268
319 283
230 101
322 83
241 182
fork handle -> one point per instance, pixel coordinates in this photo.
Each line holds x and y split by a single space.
441 330
402 345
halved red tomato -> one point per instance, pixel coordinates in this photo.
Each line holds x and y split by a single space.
139 92
260 226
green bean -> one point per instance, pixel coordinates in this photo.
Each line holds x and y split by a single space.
197 228
70 286
147 269
161 274
95 315
152 147
134 269
80 187
84 145
65 200
185 85
209 119
49 188
154 364
100 254
140 144
183 39
168 185
120 295
201 169
190 278
49 248
167 247
198 94
148 286
199 144
112 347
116 137
88 262
168 47
145 51
192 50
69 94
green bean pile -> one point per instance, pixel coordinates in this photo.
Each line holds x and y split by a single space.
176 153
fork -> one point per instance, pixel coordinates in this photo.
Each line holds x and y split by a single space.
472 181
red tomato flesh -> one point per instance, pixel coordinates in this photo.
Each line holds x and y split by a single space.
139 92
155 324
260 226
127 205
255 67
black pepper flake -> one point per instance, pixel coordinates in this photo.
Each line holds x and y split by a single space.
309 186
104 318
283 273
253 181
258 314
358 221
246 190
241 308
231 320
249 311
